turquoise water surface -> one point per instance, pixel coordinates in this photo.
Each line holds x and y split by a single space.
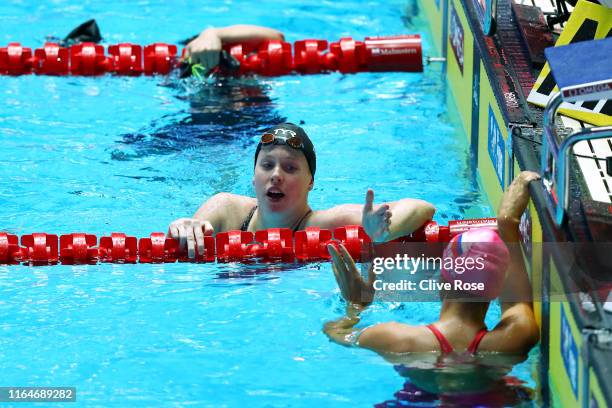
108 154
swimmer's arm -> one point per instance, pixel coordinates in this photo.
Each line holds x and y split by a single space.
217 210
382 338
342 331
242 33
407 216
205 48
517 330
388 338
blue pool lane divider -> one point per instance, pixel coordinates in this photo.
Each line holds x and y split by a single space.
270 58
271 245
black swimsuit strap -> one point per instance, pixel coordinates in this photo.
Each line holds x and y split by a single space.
247 221
297 227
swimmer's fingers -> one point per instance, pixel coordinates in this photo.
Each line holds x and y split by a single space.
193 53
515 199
173 231
348 259
369 201
359 291
338 263
182 235
371 277
529 176
191 241
353 276
198 232
334 254
341 283
208 228
339 269
382 210
387 220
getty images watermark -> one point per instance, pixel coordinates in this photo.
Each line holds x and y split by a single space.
406 264
411 271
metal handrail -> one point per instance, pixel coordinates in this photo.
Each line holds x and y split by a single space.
555 151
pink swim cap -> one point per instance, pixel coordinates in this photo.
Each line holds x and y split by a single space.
475 262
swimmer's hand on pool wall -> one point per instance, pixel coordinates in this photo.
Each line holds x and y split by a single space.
510 211
206 47
190 233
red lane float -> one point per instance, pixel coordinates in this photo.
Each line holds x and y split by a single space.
118 248
232 245
311 244
159 58
398 53
274 244
349 55
88 59
15 60
309 56
274 59
158 249
10 253
51 60
270 58
354 239
271 245
78 248
126 59
432 232
39 248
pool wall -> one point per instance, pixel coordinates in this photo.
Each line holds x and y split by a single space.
574 369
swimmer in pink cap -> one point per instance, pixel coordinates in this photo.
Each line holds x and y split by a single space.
460 327
484 277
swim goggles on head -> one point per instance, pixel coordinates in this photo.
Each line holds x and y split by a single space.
292 141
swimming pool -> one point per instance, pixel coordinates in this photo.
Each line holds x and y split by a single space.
131 154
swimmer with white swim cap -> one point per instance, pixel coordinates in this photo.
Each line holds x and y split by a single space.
460 326
285 166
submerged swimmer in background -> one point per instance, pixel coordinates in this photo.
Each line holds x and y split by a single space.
221 109
285 166
460 332
227 101
205 49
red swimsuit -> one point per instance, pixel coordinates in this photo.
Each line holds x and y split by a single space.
445 345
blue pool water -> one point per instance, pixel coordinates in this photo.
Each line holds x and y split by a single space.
131 154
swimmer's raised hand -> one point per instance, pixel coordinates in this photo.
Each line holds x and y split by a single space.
205 49
376 222
190 234
353 287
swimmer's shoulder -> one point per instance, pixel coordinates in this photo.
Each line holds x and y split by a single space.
335 217
395 337
226 211
517 332
238 209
